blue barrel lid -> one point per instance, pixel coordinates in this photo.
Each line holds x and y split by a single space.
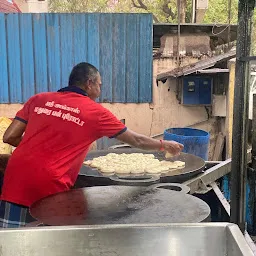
187 132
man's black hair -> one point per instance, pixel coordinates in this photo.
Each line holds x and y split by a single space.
81 73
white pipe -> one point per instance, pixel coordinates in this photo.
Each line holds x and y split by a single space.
193 11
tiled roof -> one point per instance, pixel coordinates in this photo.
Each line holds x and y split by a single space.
8 6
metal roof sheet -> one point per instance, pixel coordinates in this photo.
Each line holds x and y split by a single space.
200 65
213 70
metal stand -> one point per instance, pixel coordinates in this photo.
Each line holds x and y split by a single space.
202 183
251 176
241 104
206 181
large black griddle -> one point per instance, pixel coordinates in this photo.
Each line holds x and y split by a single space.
120 205
193 166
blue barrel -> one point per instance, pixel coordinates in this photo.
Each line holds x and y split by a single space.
195 141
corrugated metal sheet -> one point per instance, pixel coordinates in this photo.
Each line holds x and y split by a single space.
200 65
213 71
38 51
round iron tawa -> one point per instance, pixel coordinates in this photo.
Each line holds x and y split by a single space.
193 166
119 205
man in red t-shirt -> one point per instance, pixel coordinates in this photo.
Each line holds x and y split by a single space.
58 129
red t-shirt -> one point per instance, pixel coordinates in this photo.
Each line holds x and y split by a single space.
60 128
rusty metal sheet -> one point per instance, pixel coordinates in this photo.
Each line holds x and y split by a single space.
200 65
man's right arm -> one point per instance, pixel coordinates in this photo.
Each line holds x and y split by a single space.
143 142
110 126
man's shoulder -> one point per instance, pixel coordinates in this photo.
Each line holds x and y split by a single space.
43 95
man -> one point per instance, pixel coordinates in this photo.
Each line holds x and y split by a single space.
58 129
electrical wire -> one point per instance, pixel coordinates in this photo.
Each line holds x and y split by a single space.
215 25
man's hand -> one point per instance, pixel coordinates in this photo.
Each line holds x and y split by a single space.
172 147
140 141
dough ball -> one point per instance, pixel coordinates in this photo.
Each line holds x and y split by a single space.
170 165
149 156
89 162
168 155
137 171
123 170
108 170
154 170
180 163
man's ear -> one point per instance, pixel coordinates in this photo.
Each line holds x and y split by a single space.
88 85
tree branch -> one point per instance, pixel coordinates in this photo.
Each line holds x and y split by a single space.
141 5
168 10
183 4
156 20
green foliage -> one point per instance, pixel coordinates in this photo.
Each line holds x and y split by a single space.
218 12
164 11
77 5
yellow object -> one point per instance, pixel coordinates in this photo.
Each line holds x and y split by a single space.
229 119
168 155
4 124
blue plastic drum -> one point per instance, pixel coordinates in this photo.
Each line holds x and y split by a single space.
195 141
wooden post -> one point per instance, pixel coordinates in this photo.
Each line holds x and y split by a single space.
230 105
